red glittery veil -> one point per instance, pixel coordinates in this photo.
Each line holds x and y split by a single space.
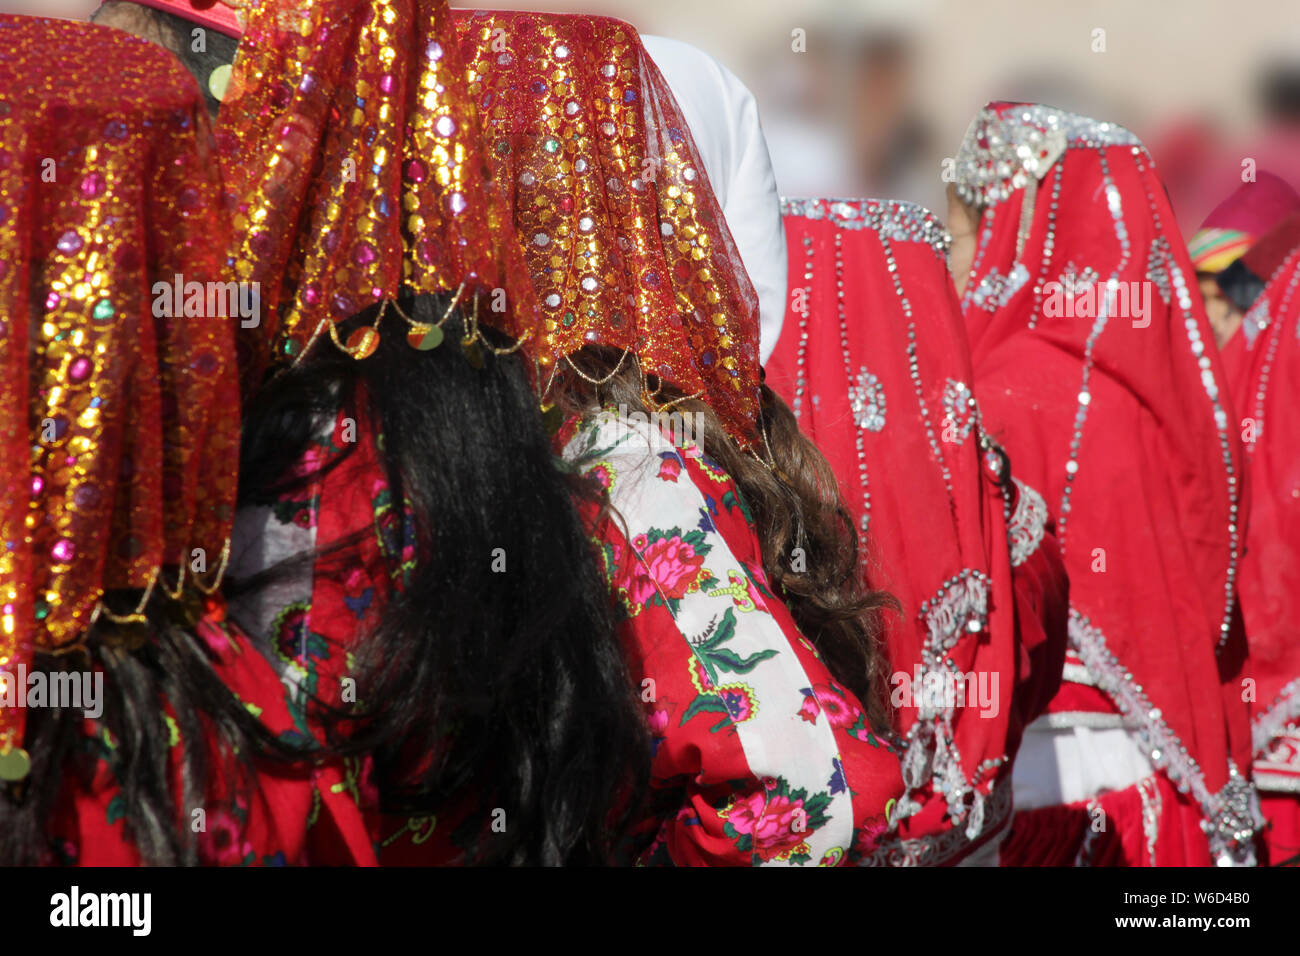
625 241
353 169
119 426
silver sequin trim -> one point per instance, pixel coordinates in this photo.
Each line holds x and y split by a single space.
943 847
1002 153
893 219
1027 523
1232 815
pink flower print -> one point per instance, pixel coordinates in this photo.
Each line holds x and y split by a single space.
809 710
310 462
601 474
839 711
216 639
658 721
673 564
221 843
870 834
769 820
670 468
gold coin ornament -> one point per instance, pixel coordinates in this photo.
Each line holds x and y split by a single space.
362 343
552 418
219 82
425 338
473 354
15 764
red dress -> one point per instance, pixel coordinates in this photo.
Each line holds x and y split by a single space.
1096 369
280 814
1264 377
874 362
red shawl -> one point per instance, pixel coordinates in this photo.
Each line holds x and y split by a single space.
1098 372
875 364
1265 395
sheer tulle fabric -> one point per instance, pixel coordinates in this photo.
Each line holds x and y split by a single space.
120 429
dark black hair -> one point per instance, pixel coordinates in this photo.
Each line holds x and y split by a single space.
1240 285
147 667
512 685
176 34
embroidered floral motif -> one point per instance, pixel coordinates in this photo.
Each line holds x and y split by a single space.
843 714
867 399
1025 530
960 412
673 566
730 675
995 290
711 660
773 823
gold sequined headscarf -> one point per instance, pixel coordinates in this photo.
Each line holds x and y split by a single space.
119 426
626 242
372 145
353 170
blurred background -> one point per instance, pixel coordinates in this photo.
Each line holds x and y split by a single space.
867 97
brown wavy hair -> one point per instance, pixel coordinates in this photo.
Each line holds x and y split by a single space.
810 547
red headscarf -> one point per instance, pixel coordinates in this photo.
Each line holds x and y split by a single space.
1124 423
626 243
119 427
875 364
1270 573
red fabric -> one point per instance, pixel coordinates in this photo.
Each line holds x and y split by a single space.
1282 835
281 814
1266 373
922 528
700 769
1148 535
1069 836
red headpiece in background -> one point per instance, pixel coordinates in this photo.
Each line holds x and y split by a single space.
119 429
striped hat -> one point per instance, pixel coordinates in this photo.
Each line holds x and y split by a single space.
1237 222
